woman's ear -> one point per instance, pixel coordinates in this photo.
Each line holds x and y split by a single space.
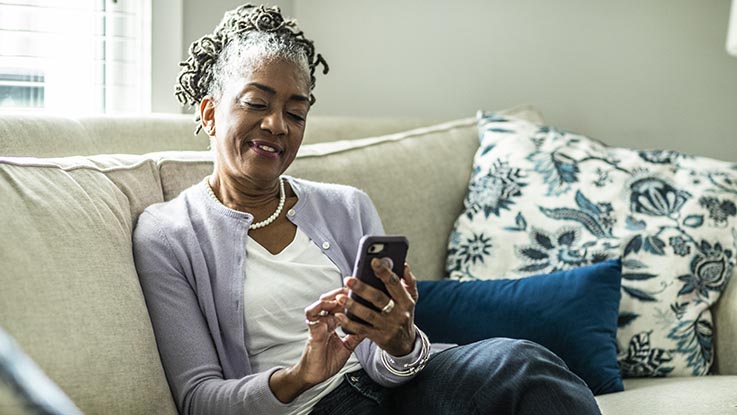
207 115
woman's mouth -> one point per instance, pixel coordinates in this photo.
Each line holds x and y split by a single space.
265 149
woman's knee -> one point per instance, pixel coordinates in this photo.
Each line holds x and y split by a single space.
494 359
528 351
532 377
514 362
512 351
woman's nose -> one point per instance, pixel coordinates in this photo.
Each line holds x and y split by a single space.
275 123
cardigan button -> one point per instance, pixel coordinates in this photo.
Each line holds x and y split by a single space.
326 245
290 212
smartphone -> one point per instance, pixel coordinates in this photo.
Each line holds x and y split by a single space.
394 248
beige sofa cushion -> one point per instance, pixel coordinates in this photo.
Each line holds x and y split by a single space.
325 128
42 136
24 134
673 396
139 134
416 179
136 177
70 294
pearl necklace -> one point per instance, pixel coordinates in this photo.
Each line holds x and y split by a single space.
265 222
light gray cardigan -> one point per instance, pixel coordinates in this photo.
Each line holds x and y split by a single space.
190 255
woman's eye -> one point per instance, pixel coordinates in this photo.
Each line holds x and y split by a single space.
296 116
253 105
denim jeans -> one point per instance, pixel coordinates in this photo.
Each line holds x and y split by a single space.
494 376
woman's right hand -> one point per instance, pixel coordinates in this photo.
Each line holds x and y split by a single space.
324 354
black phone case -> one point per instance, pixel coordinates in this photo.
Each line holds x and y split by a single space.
394 247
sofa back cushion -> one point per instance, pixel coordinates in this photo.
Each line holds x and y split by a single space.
70 294
416 180
325 128
41 135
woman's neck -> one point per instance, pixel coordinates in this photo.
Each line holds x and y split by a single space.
244 195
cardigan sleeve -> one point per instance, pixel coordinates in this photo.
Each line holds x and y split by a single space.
368 353
185 344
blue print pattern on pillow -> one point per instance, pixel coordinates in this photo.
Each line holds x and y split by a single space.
542 200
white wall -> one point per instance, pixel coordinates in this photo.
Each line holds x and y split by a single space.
648 74
166 44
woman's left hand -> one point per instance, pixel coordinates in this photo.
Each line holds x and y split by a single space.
392 330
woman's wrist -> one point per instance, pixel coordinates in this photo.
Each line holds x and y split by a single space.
411 363
286 384
411 346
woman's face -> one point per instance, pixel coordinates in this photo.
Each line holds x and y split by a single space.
259 121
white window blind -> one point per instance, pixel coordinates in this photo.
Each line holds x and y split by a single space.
82 56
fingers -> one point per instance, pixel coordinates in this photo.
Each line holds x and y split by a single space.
385 329
355 327
332 294
394 285
382 269
402 290
327 304
357 309
373 295
318 309
320 315
382 322
410 283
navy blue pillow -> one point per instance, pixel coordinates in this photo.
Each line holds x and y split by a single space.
573 313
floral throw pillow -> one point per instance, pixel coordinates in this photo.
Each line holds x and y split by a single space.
542 200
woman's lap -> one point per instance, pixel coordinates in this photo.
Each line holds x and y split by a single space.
357 395
491 376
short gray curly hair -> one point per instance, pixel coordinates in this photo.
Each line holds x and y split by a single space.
248 33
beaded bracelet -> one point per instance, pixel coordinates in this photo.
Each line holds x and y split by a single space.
408 369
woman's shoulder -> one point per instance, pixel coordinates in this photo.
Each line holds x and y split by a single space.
172 206
328 191
169 215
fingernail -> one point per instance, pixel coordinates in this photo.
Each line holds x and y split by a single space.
376 263
348 282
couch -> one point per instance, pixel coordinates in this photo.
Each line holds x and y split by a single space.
72 188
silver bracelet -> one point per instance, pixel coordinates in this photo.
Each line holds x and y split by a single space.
408 369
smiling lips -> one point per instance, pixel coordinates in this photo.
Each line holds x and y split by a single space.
265 148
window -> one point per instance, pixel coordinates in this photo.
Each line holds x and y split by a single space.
84 56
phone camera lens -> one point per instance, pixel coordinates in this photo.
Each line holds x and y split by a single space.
375 248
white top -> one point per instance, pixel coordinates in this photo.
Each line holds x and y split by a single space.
277 290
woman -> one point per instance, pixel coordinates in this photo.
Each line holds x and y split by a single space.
242 272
